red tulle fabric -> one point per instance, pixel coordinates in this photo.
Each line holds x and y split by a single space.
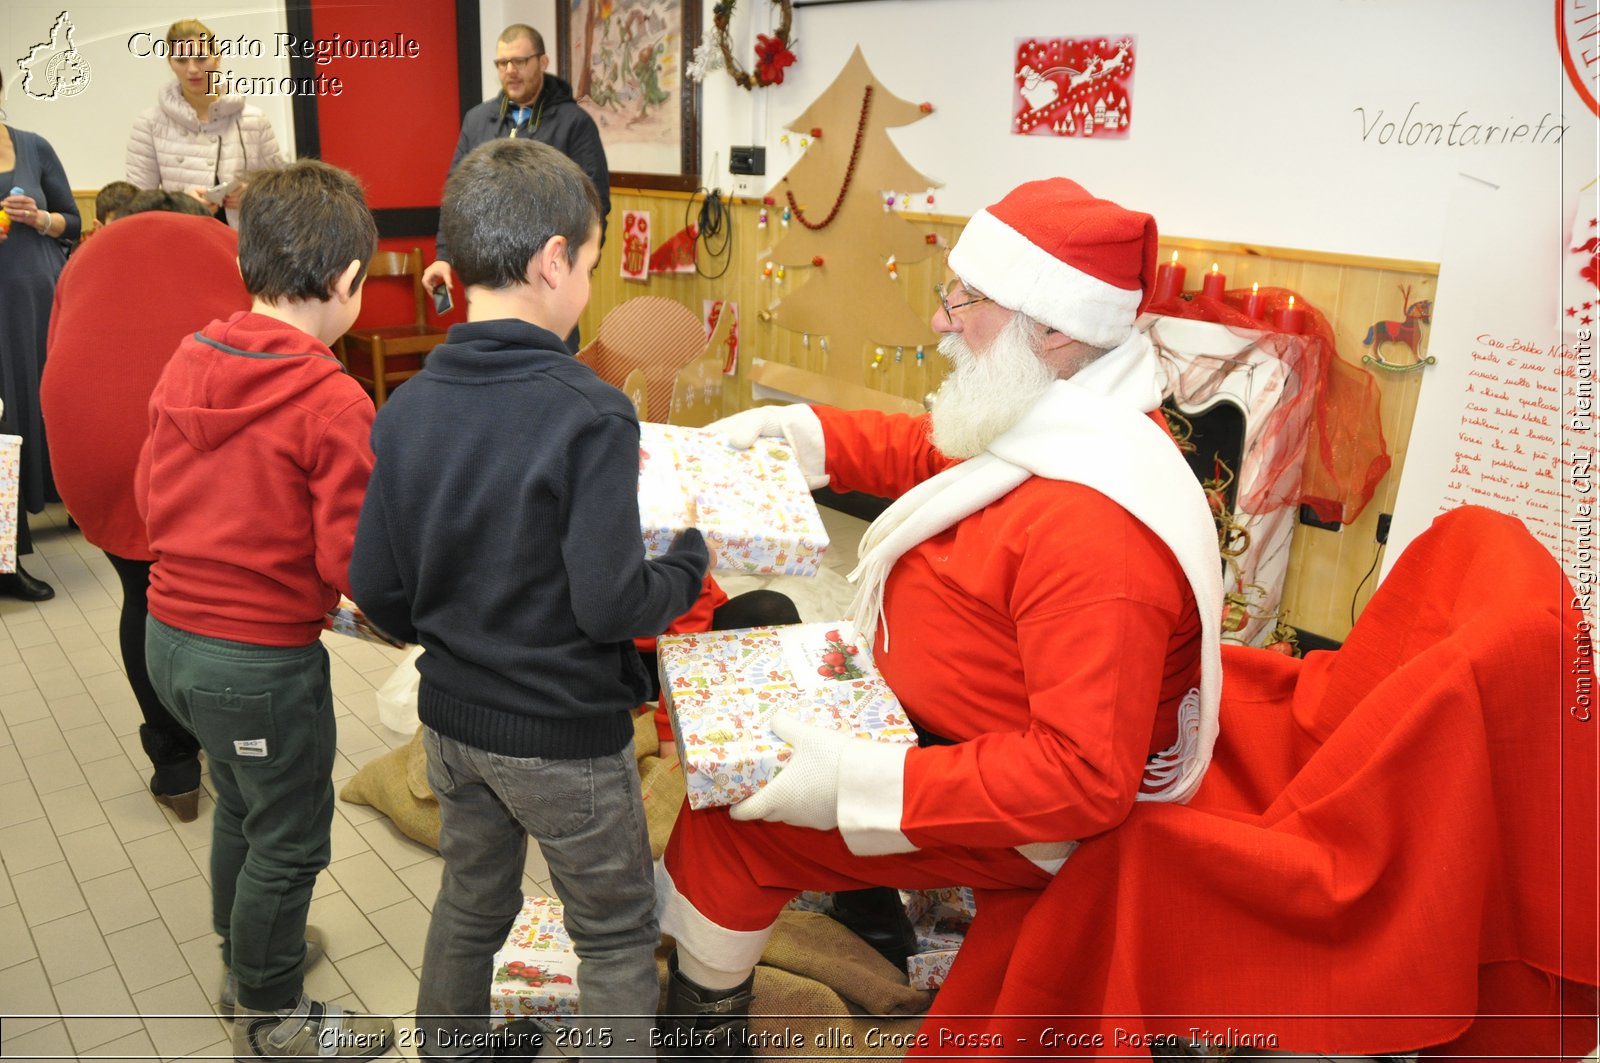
1327 402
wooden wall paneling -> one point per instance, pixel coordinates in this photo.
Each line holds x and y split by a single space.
1325 567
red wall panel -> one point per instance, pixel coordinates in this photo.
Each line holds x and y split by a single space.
396 121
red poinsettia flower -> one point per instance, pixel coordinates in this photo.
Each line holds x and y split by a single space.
772 55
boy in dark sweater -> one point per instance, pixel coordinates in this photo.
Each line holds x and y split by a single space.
501 532
250 483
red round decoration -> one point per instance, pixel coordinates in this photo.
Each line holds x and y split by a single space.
816 260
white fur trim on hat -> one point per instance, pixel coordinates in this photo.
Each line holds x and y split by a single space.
1018 274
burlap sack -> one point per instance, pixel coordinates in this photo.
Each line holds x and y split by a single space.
396 784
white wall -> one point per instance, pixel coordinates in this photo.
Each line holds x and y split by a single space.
90 130
1246 124
495 15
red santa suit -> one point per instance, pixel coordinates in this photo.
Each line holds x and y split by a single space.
1045 630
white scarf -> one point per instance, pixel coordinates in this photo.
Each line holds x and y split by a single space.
1094 430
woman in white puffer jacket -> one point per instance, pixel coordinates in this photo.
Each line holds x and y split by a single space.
196 138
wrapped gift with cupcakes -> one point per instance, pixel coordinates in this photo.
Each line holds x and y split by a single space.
723 688
535 971
752 504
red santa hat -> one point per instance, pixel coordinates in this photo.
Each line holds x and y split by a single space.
1052 251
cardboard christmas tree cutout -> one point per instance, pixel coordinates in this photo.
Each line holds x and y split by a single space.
835 194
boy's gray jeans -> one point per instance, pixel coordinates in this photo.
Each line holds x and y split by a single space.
588 819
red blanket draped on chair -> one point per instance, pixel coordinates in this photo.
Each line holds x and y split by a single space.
1395 844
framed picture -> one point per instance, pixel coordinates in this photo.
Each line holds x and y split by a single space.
625 60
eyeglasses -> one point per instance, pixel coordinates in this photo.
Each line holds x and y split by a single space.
949 307
518 62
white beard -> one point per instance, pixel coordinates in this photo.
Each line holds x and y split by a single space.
988 393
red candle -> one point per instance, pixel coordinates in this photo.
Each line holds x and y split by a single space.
1289 319
1169 281
1255 301
1213 284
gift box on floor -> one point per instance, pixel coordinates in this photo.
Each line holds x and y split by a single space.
10 482
535 971
723 687
752 504
948 902
812 901
928 970
940 918
348 619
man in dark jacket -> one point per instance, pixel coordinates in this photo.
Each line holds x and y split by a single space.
531 103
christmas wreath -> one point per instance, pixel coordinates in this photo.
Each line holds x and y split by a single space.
772 52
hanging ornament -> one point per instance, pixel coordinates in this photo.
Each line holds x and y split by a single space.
925 108
899 353
816 133
932 239
919 354
766 270
893 274
877 358
805 341
816 260
784 139
784 217
888 201
805 142
930 199
778 276
824 345
761 219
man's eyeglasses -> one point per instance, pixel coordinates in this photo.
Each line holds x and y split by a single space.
516 62
948 307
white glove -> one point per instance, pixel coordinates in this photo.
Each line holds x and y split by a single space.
806 792
795 424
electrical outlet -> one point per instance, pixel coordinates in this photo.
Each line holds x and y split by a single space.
1384 520
1308 516
747 160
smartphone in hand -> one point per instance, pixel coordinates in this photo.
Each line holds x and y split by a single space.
216 194
442 303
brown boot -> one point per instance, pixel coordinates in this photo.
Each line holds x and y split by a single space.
705 1023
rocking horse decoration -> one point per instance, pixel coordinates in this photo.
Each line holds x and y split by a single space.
1408 332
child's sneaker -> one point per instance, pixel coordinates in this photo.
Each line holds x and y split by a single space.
310 1029
228 998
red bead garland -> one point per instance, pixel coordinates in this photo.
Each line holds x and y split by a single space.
849 170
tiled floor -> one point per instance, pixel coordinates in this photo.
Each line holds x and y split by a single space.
106 949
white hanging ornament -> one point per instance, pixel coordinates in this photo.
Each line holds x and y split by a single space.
894 274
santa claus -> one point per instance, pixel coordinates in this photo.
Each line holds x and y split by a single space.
1043 595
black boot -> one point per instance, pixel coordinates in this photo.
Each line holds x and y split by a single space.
878 917
705 1023
19 584
176 782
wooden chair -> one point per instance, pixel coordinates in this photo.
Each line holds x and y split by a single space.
655 350
365 352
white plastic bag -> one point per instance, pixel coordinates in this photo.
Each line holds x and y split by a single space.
397 698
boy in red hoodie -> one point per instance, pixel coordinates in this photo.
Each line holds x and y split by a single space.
250 484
